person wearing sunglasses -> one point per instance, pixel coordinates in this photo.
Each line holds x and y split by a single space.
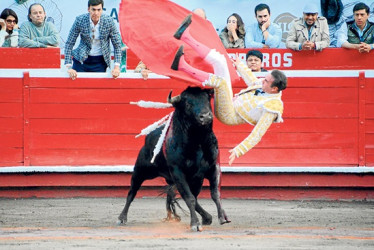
96 31
8 28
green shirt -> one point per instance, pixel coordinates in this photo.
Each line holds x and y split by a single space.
32 36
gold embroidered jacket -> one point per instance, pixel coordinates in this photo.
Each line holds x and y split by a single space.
259 110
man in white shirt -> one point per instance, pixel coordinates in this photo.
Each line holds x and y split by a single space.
96 31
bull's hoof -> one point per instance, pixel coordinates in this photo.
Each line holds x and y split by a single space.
184 25
207 220
197 228
224 220
121 222
176 218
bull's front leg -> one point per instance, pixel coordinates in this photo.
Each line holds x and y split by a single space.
214 181
188 197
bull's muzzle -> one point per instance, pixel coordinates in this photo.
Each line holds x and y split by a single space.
206 118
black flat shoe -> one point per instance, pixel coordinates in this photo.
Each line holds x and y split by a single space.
177 58
186 22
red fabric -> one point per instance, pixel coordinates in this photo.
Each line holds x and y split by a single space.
147 28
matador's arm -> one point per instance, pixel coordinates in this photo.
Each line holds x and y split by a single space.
255 136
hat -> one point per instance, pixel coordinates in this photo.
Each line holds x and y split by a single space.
310 8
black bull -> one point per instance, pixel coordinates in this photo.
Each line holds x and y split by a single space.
189 155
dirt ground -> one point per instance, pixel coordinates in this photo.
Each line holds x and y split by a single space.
90 223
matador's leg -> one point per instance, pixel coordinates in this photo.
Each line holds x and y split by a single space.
216 59
224 106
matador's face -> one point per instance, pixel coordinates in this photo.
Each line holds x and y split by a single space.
266 85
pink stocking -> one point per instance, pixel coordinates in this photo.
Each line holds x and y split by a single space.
200 48
194 72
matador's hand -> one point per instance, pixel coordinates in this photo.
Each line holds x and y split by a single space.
232 156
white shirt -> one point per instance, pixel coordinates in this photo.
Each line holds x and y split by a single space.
95 39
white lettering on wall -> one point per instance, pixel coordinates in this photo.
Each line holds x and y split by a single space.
287 58
274 60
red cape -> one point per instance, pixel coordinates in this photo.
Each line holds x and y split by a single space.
147 28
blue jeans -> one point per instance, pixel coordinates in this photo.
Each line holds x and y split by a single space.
91 64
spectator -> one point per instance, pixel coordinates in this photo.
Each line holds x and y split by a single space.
8 28
37 33
143 69
338 33
254 60
200 12
96 30
232 36
309 32
263 33
332 10
360 31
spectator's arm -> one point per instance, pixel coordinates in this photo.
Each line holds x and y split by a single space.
14 38
250 41
325 40
348 45
255 136
239 44
224 39
115 37
274 40
2 36
140 67
25 40
70 42
291 41
51 39
341 35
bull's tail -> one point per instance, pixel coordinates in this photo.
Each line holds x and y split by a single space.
170 190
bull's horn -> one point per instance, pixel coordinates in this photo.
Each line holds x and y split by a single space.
175 99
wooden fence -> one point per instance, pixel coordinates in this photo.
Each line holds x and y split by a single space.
48 120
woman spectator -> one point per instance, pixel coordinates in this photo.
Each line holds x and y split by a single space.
8 28
232 36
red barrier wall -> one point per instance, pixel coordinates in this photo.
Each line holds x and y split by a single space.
56 121
29 58
48 120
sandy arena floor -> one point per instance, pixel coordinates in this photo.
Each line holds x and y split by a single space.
89 223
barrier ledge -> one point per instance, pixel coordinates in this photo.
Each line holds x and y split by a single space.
369 73
130 168
58 73
11 73
52 73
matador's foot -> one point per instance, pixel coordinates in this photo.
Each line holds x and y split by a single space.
186 22
178 55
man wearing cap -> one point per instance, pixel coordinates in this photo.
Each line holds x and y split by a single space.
309 32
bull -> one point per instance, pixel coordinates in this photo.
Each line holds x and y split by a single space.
189 154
